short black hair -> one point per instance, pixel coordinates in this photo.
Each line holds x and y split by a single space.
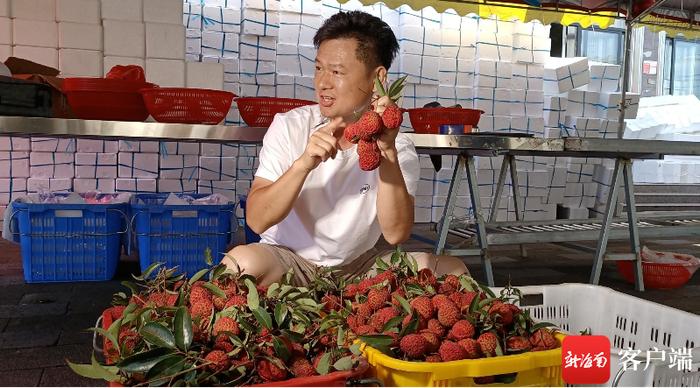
376 42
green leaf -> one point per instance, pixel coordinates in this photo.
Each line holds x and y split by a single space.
183 328
218 271
280 313
246 327
344 363
379 263
392 323
165 368
214 289
284 290
147 272
253 299
404 304
198 275
93 370
158 335
307 302
410 328
499 350
281 349
380 88
207 256
324 365
379 342
144 361
487 290
272 290
302 317
486 301
340 339
131 286
474 305
466 284
263 317
355 348
106 334
541 325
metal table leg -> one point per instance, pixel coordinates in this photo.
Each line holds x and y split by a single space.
515 187
632 220
496 201
607 219
479 219
447 214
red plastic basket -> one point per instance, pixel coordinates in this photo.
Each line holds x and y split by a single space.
259 111
187 105
657 275
106 99
429 120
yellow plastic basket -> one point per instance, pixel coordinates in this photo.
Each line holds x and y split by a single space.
534 369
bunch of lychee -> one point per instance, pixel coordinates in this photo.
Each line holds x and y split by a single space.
365 131
438 320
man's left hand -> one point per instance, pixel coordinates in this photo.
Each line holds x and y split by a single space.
387 140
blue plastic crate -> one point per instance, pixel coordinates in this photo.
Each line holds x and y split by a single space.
179 235
70 242
250 236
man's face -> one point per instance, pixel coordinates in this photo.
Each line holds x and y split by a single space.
343 83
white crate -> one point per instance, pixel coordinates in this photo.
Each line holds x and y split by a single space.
629 322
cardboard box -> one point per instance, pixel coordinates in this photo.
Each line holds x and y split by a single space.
127 10
124 38
78 11
34 9
80 63
166 41
564 74
162 11
166 72
39 33
138 165
80 36
14 164
136 185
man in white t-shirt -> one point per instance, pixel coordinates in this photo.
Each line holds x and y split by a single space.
310 201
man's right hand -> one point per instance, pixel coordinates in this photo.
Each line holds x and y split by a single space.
323 145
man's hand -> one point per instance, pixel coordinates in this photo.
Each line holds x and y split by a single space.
387 140
323 145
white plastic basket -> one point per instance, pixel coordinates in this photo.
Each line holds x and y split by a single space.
629 322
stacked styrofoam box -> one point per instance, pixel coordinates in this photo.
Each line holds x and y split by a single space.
95 165
178 167
137 166
51 165
531 43
32 31
14 168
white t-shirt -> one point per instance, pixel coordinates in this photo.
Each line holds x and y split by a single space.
334 219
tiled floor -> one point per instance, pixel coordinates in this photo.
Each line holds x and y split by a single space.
42 325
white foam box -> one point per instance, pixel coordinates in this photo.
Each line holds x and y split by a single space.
271 5
527 124
33 9
257 72
80 63
527 103
295 60
78 11
178 166
456 72
583 103
494 46
14 164
495 102
230 65
52 144
493 74
259 22
298 28
192 16
610 103
216 149
124 38
80 36
564 74
42 185
95 165
5 52
193 43
537 51
5 8
451 95
162 11
166 72
242 186
43 55
139 146
138 165
81 185
422 215
136 185
39 33
177 186
572 213
179 148
420 69
166 41
528 76
11 143
583 125
51 164
204 75
111 61
419 40
11 189
233 87
609 128
225 188
579 173
257 90
555 110
458 43
5 31
217 168
220 44
100 146
605 77
490 123
302 6
219 19
259 48
128 10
